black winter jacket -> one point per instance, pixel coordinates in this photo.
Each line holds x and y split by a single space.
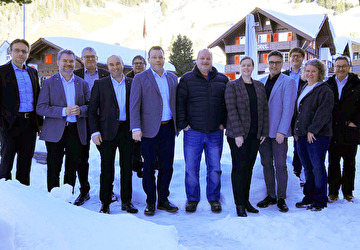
200 102
315 110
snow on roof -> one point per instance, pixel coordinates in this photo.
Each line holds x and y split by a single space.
340 44
309 24
103 50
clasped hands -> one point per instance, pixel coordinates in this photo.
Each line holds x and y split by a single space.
72 110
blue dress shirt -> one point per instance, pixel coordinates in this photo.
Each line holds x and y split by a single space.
25 89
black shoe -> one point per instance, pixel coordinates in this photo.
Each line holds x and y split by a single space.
250 208
282 206
105 209
167 206
314 208
129 208
215 206
240 210
302 204
114 198
81 199
150 210
191 206
266 202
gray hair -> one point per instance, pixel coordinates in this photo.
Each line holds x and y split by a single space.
65 51
87 49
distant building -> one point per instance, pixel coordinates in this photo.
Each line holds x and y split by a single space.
4 52
282 32
44 51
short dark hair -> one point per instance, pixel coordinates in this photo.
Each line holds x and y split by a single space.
139 57
297 50
343 58
65 51
19 41
276 53
246 58
155 48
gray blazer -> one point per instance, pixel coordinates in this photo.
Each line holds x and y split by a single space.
51 102
281 105
146 103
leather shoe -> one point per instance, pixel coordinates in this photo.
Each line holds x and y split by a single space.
332 198
250 208
150 210
314 208
81 199
302 204
191 206
349 198
215 206
266 202
167 206
129 208
240 210
105 209
282 206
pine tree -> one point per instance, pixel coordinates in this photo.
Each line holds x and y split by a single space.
20 2
181 55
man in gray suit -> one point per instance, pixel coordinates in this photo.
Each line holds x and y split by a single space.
63 100
152 121
281 94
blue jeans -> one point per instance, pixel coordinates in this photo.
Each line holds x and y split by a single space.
194 144
312 156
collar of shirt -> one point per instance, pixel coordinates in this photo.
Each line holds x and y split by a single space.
156 74
343 81
114 81
16 68
72 79
298 72
87 72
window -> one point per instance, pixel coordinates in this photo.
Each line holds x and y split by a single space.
242 40
286 56
267 22
262 38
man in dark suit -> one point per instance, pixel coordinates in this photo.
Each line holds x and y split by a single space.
19 90
346 133
152 121
109 127
297 56
63 100
89 73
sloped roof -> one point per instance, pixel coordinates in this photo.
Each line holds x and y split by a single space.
307 26
103 50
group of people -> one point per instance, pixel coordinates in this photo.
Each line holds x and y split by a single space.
140 115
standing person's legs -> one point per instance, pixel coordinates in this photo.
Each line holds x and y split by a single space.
213 152
8 151
349 155
280 153
334 169
193 148
73 148
266 154
83 168
54 159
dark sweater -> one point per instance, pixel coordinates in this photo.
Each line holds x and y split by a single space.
315 110
200 102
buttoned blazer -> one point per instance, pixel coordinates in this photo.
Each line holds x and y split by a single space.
146 103
238 109
281 105
10 97
104 108
101 72
51 102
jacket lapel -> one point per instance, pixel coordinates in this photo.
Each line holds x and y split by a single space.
276 86
153 81
60 87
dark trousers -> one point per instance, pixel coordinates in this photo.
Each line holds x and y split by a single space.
107 149
243 160
83 168
19 139
160 147
69 145
335 179
312 156
296 162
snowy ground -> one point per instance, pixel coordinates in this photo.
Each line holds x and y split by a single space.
31 218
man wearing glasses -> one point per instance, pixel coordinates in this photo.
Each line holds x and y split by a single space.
19 90
89 73
281 94
346 123
138 66
297 56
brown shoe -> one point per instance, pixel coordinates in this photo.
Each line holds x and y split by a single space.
332 198
349 198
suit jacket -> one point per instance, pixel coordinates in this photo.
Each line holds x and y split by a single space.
102 73
238 107
301 81
51 102
10 98
104 108
281 105
146 102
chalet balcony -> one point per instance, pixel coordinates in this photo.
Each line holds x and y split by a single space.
262 47
261 67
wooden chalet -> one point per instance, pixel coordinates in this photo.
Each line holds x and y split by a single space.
350 47
278 31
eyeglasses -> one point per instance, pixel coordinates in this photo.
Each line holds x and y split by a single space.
296 56
138 63
17 51
90 57
275 63
341 67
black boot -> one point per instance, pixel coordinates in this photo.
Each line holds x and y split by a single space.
240 210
